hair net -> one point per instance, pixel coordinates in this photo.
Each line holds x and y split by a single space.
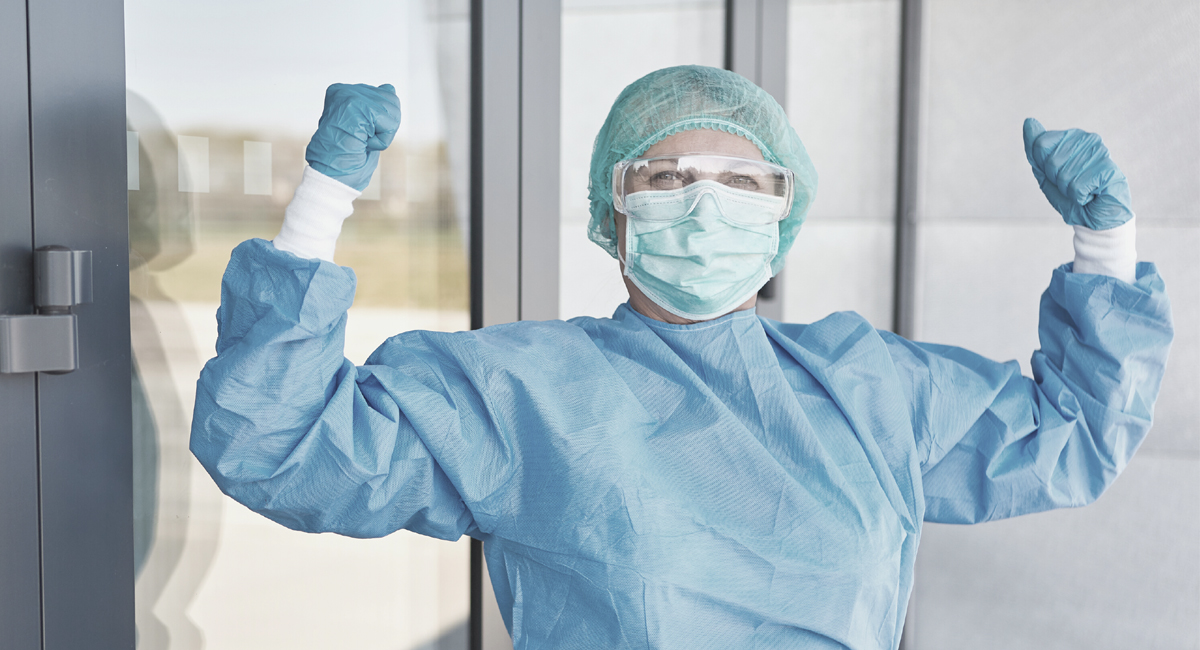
688 97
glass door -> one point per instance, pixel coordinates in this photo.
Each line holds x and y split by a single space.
222 98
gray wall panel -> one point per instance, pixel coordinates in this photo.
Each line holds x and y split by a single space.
1122 573
77 72
20 582
1129 71
839 265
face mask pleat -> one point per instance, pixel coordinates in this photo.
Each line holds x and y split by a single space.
692 256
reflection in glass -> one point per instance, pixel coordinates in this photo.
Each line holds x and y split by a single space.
606 45
219 111
161 235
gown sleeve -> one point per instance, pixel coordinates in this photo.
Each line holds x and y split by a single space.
287 426
995 444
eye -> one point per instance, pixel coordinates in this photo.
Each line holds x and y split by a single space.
666 180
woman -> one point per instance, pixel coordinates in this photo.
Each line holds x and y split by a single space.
684 474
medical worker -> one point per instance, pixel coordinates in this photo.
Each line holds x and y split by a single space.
685 474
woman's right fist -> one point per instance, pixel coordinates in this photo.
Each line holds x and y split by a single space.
358 122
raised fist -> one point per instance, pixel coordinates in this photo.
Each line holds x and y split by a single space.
358 122
1077 176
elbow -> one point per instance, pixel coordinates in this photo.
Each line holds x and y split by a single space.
239 458
273 471
246 476
1085 471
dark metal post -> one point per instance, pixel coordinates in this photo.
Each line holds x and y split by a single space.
77 117
906 290
20 540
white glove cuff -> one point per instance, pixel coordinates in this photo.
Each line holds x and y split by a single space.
313 220
1109 252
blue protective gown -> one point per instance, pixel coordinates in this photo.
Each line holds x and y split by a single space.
738 483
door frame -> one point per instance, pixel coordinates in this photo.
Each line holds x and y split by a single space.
66 469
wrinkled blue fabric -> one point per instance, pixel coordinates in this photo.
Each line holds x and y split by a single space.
736 483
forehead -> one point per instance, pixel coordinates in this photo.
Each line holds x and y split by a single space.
705 141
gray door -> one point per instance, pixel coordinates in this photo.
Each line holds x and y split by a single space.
66 549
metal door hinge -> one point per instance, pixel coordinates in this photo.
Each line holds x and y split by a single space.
47 341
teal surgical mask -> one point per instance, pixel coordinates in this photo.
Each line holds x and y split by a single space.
708 261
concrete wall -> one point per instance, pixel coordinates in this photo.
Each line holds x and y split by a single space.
1125 572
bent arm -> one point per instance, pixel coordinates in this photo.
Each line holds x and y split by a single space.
997 444
291 429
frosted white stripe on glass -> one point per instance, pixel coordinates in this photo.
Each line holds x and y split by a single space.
193 163
256 168
132 169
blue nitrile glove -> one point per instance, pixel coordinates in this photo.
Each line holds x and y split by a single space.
1077 176
358 122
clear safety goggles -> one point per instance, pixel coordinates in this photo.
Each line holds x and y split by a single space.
667 188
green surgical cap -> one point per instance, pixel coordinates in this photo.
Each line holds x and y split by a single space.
688 97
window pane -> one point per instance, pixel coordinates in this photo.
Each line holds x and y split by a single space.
606 45
222 99
843 97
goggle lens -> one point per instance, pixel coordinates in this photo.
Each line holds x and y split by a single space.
673 173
